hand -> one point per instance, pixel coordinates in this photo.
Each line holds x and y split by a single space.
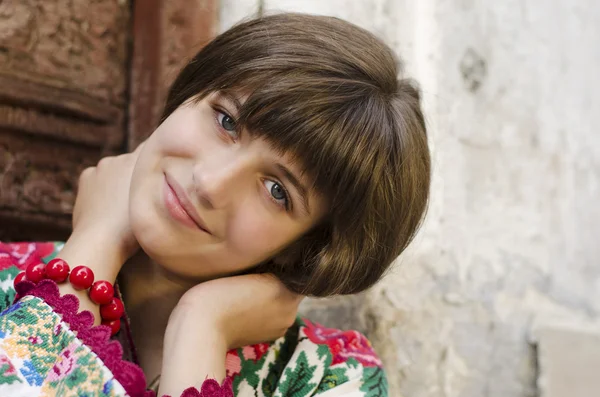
102 204
244 310
219 315
101 237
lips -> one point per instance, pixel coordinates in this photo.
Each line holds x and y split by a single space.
180 207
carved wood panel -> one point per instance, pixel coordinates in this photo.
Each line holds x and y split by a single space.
63 96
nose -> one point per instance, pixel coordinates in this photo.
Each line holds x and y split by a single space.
218 177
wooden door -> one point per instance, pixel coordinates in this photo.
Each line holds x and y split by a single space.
81 79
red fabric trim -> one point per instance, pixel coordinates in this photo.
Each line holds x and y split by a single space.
210 388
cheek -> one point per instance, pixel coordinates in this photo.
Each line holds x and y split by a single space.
258 235
175 140
183 133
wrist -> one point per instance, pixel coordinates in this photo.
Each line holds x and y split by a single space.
188 321
95 252
194 350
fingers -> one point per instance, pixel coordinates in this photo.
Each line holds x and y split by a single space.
85 174
138 149
122 160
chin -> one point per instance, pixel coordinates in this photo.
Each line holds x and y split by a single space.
160 246
147 232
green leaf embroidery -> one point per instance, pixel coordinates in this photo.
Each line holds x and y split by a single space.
374 382
333 377
75 378
7 379
297 379
249 369
323 350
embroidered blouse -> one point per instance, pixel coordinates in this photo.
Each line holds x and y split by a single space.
47 348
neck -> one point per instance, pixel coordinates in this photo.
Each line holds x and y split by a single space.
150 296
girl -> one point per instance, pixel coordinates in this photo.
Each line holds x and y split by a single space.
290 161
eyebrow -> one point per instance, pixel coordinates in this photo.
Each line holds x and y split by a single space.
297 184
232 99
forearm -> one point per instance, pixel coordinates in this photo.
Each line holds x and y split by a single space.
191 354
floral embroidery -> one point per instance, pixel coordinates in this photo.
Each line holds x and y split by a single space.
233 363
22 254
41 355
31 374
8 373
255 352
65 364
343 344
49 363
5 261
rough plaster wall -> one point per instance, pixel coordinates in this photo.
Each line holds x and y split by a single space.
512 95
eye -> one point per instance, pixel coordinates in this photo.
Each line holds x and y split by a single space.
277 193
227 123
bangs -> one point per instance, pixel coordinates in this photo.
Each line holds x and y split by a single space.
331 127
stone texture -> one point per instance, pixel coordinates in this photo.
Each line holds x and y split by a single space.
233 11
569 360
511 94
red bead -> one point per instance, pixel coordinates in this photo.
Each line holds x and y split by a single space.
113 310
82 277
102 292
20 277
115 325
36 272
57 270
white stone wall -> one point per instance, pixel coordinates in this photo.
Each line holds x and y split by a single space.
512 238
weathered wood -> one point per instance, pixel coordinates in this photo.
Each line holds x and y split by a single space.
72 44
40 176
166 34
63 93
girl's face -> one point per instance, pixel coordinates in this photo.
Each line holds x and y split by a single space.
207 202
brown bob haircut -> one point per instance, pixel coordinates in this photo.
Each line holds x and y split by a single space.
329 93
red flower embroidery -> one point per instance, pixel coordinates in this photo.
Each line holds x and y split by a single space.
65 364
6 364
260 350
233 363
6 261
22 254
255 352
343 344
44 249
